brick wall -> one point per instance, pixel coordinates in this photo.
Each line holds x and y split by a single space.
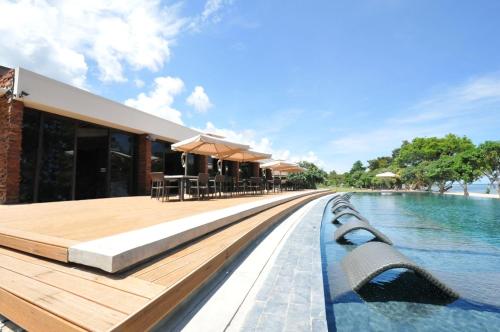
11 121
233 169
255 169
143 165
202 164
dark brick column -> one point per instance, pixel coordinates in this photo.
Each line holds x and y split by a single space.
202 164
233 167
255 169
11 123
143 165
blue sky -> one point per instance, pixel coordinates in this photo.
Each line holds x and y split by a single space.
326 81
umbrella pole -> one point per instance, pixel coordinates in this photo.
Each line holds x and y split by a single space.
184 162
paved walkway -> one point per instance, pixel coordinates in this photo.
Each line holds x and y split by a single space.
290 297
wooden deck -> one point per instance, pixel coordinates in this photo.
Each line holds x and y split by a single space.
49 229
43 295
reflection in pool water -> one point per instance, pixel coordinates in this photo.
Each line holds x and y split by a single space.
456 238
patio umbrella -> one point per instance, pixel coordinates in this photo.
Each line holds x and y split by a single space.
208 145
386 175
295 169
279 166
248 155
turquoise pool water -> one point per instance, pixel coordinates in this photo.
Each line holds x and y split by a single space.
456 238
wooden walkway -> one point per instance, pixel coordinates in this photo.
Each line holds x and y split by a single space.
49 229
43 295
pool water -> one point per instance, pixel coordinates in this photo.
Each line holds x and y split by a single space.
456 238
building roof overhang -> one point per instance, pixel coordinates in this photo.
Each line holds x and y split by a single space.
55 97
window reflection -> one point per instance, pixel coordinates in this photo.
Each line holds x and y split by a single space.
56 171
173 164
31 126
121 156
158 156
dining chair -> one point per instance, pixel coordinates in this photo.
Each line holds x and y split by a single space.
157 185
201 185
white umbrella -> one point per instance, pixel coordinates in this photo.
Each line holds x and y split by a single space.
248 155
386 175
295 169
280 166
208 145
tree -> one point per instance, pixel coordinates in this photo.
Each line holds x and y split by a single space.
312 175
489 153
357 166
415 176
357 176
335 179
430 149
431 158
379 162
442 172
467 167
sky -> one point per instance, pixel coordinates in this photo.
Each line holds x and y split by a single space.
329 82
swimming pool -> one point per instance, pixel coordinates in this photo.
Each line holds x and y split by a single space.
456 238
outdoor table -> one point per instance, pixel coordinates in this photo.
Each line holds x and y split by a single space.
182 179
242 184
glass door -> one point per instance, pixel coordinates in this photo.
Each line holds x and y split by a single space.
91 161
121 164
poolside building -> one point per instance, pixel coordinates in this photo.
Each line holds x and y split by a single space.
59 142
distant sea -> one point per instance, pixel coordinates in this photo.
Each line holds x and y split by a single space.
473 188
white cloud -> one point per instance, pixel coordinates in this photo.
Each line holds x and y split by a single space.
212 12
462 100
310 156
212 8
63 39
199 100
139 83
160 99
462 110
261 144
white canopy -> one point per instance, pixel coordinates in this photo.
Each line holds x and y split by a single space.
282 166
295 169
278 165
386 175
209 145
247 155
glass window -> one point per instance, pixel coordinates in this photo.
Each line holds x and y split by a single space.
158 156
122 164
246 170
173 164
91 180
192 164
212 166
56 172
31 126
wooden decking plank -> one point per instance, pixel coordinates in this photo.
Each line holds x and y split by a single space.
51 289
89 290
185 284
91 219
37 248
199 250
122 282
259 221
79 311
170 271
37 237
32 318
